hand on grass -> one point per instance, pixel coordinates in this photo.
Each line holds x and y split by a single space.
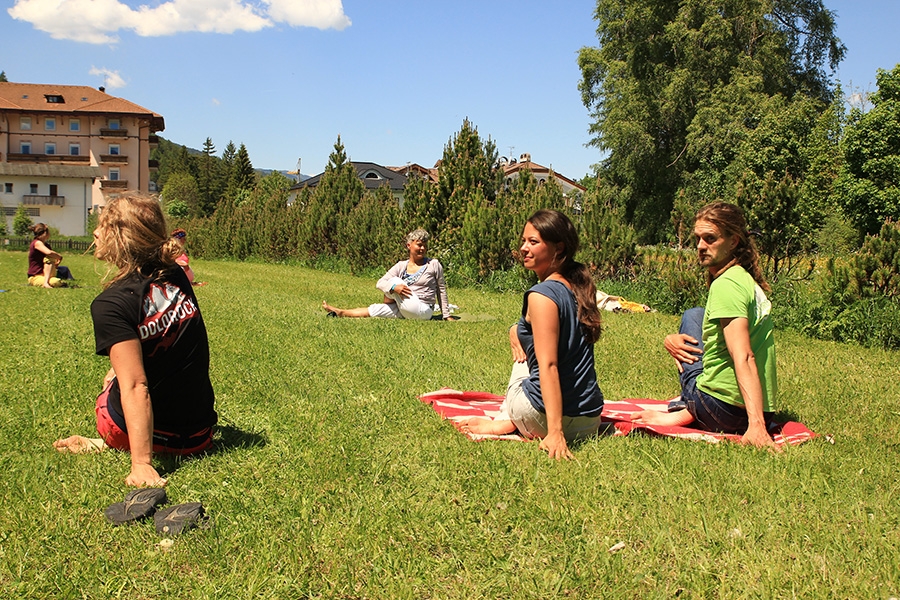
760 438
144 476
556 447
683 349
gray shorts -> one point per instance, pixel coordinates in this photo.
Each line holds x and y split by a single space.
531 422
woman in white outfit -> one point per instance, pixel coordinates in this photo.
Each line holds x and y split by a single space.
410 287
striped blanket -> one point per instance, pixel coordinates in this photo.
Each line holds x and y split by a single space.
455 406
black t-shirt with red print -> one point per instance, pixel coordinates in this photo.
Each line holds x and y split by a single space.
163 314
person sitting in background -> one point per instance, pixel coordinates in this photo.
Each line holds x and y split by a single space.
410 287
182 259
725 353
552 393
157 396
42 260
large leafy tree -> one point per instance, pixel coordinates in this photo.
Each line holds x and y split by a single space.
675 88
181 196
869 187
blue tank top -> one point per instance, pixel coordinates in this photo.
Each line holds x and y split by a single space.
577 377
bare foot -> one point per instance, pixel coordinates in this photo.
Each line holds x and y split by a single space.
331 310
77 444
678 418
486 426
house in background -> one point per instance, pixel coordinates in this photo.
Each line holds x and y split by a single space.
67 149
372 175
572 191
416 170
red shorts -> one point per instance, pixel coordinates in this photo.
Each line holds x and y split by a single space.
116 438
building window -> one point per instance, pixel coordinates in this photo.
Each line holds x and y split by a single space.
8 188
74 149
50 148
114 174
114 123
25 147
74 125
54 189
33 188
114 149
54 99
25 123
50 124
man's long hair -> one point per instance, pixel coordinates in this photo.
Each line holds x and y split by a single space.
729 219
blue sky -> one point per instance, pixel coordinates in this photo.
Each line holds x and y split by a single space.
394 78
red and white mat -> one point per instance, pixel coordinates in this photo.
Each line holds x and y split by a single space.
455 405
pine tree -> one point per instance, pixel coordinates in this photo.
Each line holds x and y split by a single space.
337 193
468 165
209 182
242 177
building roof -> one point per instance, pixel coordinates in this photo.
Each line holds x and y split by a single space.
43 170
535 168
372 175
53 98
417 169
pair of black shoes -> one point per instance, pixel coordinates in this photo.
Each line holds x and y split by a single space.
141 504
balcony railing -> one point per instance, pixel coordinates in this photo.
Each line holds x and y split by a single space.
114 158
153 164
154 140
47 158
114 184
37 199
104 132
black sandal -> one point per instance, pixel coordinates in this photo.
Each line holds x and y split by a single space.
179 518
139 504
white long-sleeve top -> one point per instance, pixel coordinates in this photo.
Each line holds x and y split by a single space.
431 284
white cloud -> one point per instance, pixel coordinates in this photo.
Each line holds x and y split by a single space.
324 14
216 102
99 21
111 79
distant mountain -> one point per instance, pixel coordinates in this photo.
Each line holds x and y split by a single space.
168 149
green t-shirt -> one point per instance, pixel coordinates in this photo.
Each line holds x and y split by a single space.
734 293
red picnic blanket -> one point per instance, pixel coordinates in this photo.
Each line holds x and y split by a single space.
455 405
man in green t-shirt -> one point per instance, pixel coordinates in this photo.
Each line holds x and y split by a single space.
725 353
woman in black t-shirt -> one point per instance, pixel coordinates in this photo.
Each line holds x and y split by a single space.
157 397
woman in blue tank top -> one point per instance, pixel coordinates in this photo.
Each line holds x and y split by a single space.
552 392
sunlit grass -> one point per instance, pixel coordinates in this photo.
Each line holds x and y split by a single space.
330 479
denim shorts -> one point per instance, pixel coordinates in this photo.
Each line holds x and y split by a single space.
711 414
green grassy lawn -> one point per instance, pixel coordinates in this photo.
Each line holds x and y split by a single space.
330 479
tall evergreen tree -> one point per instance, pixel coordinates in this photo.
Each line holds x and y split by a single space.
242 177
209 182
337 193
468 164
675 87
